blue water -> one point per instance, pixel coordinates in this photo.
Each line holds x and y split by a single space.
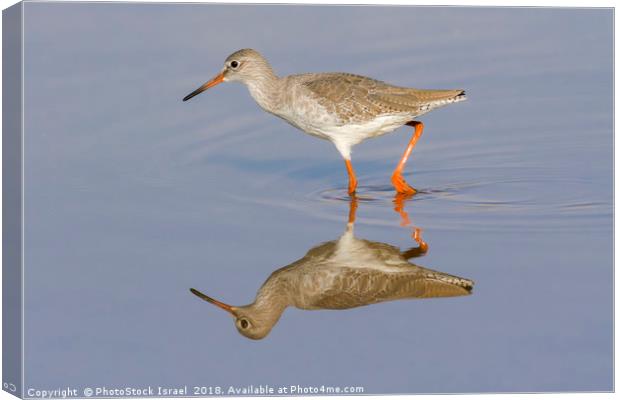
132 197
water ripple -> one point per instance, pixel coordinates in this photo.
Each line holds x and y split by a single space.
536 201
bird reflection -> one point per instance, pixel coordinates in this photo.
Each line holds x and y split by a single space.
344 273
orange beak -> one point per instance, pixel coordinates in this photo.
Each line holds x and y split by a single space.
221 305
219 78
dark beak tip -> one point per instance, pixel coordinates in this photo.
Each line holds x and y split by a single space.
215 81
194 93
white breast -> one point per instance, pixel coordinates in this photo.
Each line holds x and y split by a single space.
355 253
347 136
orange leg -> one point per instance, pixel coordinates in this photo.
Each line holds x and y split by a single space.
417 251
397 178
417 236
352 209
352 179
399 206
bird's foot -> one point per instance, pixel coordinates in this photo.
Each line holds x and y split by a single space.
417 236
401 185
352 186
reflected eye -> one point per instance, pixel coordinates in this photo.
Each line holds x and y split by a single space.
234 64
244 323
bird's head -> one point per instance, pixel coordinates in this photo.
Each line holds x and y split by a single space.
250 321
244 65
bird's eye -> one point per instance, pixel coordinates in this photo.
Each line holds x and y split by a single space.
234 64
244 323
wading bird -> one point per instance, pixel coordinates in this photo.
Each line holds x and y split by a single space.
341 274
340 107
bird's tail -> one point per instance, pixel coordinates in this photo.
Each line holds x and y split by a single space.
437 98
439 284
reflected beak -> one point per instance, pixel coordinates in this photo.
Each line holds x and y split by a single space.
219 78
221 305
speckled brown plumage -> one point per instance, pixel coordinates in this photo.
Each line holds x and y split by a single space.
342 274
357 99
352 272
343 108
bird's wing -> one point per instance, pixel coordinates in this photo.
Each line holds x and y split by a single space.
357 99
359 287
350 97
416 99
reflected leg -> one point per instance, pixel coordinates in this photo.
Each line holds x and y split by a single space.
417 251
400 200
352 209
399 206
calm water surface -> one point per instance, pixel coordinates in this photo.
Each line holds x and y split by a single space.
132 197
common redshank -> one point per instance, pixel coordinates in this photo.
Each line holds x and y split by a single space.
341 274
340 107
